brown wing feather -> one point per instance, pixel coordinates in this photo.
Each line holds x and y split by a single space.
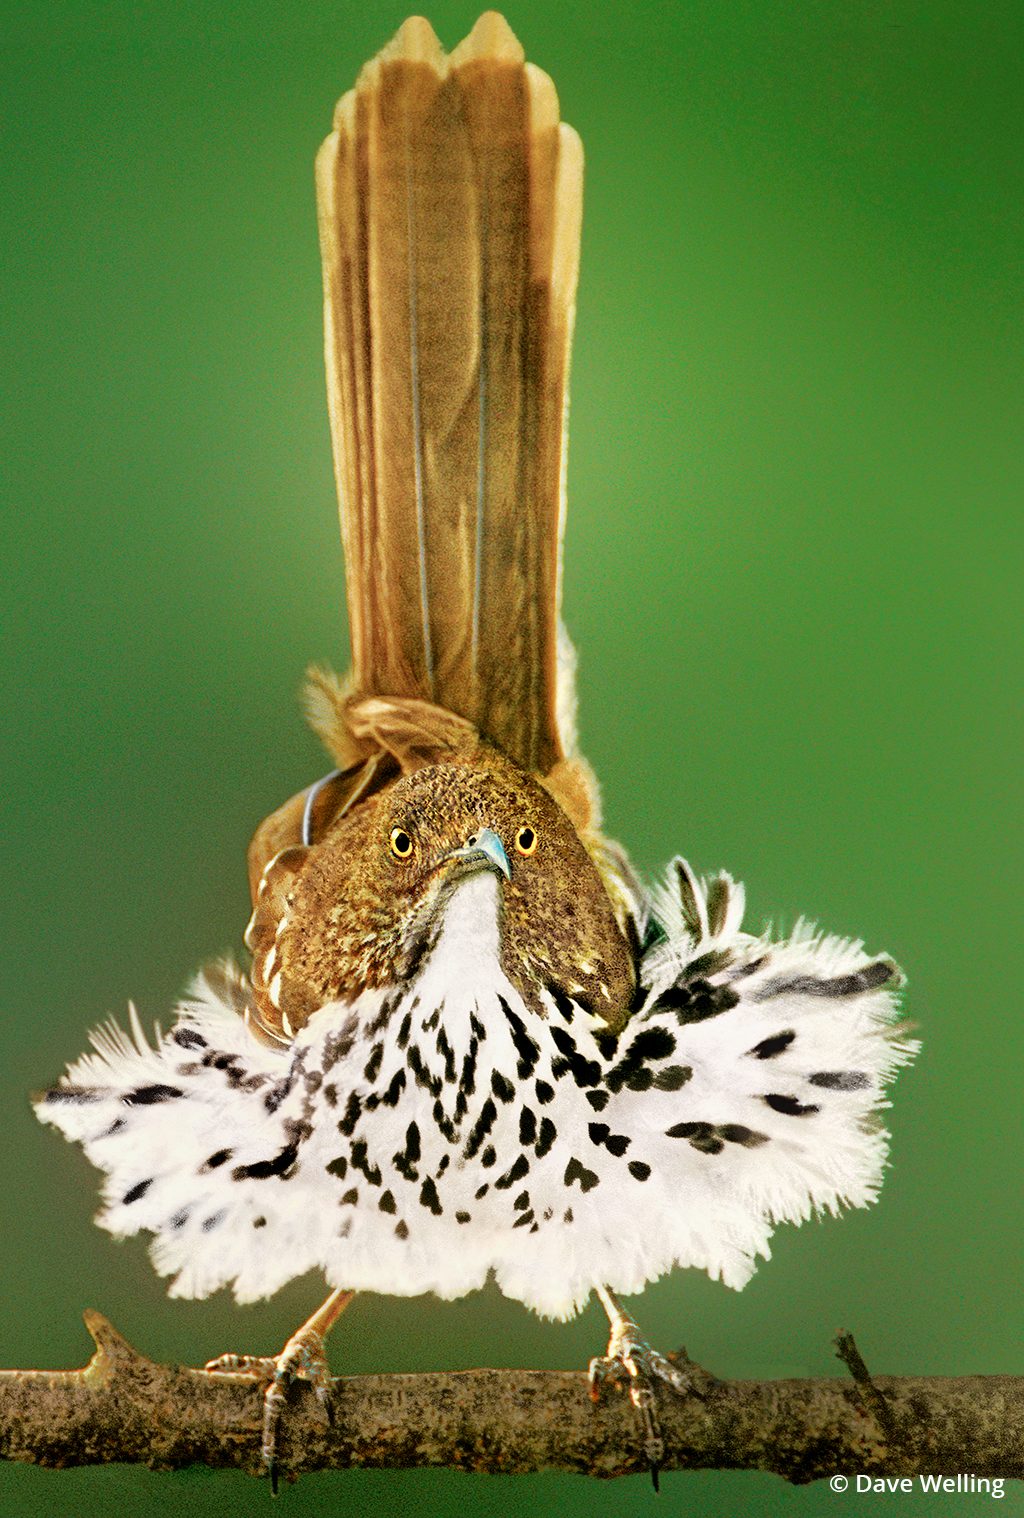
449 200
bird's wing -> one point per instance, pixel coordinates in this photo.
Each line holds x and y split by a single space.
748 1090
194 1136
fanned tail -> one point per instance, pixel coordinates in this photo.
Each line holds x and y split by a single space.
449 198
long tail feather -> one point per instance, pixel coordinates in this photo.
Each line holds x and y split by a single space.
449 199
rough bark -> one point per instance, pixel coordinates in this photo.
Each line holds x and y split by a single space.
122 1407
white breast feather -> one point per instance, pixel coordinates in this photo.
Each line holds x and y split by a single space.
252 1165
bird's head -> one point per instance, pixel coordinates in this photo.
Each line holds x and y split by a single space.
362 907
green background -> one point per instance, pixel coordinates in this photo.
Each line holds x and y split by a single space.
792 571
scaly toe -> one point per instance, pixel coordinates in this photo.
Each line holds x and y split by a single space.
303 1357
258 1366
606 1368
274 1401
631 1361
630 1367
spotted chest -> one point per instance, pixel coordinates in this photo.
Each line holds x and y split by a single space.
473 1111
419 1138
440 1134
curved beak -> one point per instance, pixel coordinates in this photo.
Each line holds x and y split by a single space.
483 850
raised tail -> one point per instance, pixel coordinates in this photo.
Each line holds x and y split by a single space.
449 198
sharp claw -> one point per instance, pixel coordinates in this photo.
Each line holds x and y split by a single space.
642 1398
630 1360
597 1372
273 1404
303 1356
631 1365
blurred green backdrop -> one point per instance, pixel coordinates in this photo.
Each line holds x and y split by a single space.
792 570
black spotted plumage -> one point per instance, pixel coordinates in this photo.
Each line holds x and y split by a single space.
404 1136
466 1044
457 985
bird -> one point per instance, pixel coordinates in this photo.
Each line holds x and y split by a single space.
469 1041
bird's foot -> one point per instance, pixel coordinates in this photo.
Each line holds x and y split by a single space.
303 1358
632 1362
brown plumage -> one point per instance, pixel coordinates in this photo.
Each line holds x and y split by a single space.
441 914
449 197
357 913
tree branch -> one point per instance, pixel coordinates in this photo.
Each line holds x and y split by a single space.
122 1407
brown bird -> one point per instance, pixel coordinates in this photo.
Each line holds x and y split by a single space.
449 197
470 1041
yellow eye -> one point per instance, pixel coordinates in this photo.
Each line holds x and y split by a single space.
401 843
526 841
